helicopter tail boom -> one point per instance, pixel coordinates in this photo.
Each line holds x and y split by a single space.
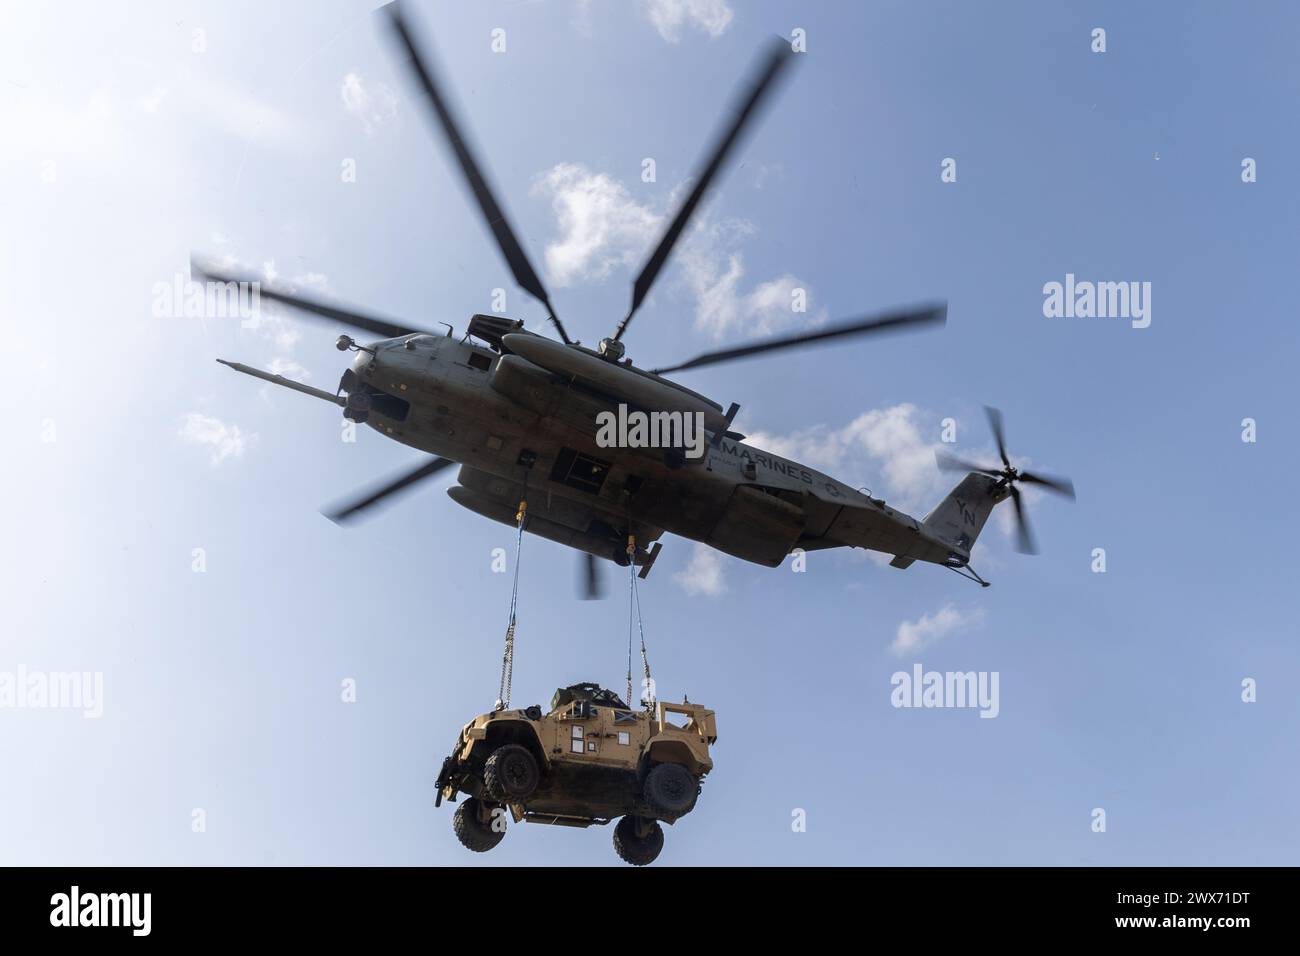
960 517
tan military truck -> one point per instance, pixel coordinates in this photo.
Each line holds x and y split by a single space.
588 761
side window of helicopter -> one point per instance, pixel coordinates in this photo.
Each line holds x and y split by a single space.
479 361
579 471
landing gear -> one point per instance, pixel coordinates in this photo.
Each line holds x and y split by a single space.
479 826
967 572
638 840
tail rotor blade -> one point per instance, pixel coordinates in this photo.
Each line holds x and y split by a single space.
947 462
1008 477
1024 538
995 423
1062 486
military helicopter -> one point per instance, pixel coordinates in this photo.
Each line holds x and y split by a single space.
519 412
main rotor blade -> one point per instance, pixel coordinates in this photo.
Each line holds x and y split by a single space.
590 584
947 462
995 423
1024 539
777 56
1062 486
469 166
344 515
929 315
384 328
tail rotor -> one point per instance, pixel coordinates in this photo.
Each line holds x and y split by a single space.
1008 476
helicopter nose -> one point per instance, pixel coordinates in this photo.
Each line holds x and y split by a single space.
362 361
351 382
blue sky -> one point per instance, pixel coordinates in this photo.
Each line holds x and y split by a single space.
123 149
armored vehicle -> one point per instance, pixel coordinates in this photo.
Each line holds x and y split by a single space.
591 759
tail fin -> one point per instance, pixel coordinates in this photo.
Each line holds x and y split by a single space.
959 518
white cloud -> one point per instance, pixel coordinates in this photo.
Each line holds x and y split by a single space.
703 574
288 368
761 173
885 449
222 441
274 321
310 280
893 437
669 16
373 103
913 636
601 226
890 451
714 267
723 309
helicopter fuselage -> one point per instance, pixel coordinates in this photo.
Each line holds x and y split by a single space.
524 432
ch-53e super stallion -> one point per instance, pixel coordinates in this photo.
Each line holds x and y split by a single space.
522 414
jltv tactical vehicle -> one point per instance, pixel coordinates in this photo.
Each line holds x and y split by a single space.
588 761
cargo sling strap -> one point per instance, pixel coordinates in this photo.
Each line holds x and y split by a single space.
634 618
508 658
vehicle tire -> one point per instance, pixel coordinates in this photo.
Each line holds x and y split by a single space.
638 850
510 774
671 789
472 832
